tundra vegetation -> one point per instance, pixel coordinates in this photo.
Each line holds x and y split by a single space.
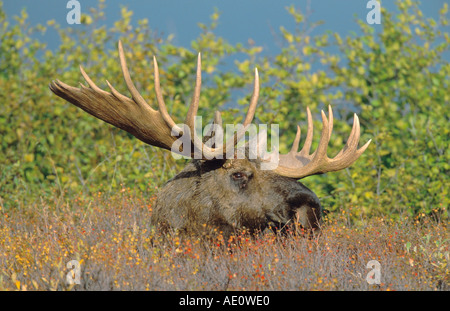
72 188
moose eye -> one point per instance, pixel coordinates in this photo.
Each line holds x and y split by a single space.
238 175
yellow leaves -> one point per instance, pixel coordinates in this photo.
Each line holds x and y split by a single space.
19 44
390 172
210 69
16 282
401 124
314 78
215 16
86 19
354 82
303 67
73 185
35 284
369 195
244 66
289 37
444 9
255 50
29 157
19 132
361 70
137 155
126 14
352 55
338 38
354 198
306 50
322 98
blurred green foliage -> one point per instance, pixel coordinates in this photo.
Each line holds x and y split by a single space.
396 80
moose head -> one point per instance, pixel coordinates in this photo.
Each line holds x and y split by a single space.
217 193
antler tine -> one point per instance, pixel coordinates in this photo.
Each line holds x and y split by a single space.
350 153
296 141
193 107
353 138
330 122
137 97
361 150
116 93
222 149
301 164
161 105
309 135
353 142
321 152
319 156
218 118
330 128
90 82
192 113
251 109
347 156
250 113
254 100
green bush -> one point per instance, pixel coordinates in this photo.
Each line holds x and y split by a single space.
396 80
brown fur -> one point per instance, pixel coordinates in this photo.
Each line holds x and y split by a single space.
230 195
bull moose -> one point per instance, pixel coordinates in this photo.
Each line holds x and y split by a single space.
215 192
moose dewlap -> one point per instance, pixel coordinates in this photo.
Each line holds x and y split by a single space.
217 192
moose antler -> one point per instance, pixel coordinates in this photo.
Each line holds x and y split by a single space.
301 164
157 128
135 115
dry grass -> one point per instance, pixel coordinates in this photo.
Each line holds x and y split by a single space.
117 249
